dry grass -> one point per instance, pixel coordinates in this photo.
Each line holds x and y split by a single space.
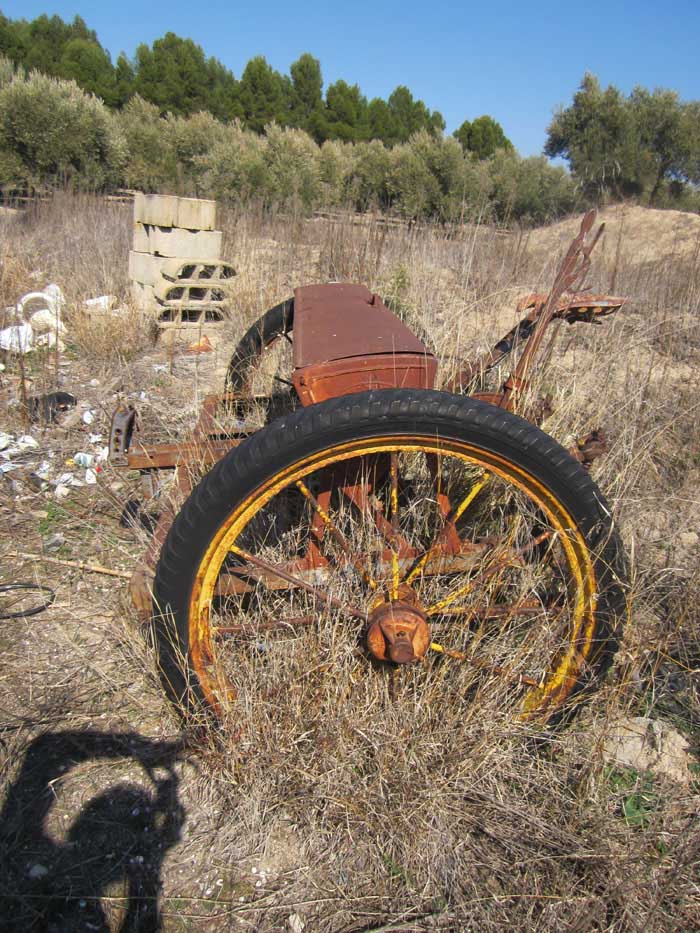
418 815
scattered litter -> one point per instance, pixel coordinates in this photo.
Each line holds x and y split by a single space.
37 871
201 346
6 467
37 482
47 407
5 440
54 542
94 382
90 477
88 417
161 367
43 470
61 491
94 438
17 339
26 442
45 321
83 460
101 303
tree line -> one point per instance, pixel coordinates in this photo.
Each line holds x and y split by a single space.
175 75
173 120
53 133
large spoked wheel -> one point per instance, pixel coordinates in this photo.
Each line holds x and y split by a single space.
275 324
413 537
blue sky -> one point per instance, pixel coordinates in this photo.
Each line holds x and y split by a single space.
513 60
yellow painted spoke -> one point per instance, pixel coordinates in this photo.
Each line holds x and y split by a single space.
484 665
337 534
394 473
295 581
459 511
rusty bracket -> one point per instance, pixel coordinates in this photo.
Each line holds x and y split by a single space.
587 449
121 430
562 303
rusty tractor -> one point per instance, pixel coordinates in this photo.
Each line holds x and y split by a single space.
423 528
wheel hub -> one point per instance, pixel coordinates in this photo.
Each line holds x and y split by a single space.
398 630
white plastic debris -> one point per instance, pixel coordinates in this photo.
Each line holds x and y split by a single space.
7 466
90 477
101 303
43 470
54 542
50 341
61 491
41 327
102 454
50 299
5 440
83 460
26 442
88 417
94 438
38 871
17 339
44 321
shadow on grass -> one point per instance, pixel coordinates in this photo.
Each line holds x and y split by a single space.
115 844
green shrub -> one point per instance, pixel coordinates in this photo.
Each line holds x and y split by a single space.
8 70
292 161
235 168
52 132
151 161
366 184
191 140
430 178
335 166
530 190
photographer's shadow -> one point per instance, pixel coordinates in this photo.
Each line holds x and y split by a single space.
115 844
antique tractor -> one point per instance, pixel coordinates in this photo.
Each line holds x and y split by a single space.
375 518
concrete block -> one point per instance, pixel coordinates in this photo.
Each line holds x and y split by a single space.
144 268
166 210
196 214
205 269
184 244
140 238
143 295
192 315
190 291
157 209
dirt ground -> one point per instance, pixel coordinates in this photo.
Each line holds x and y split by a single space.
116 817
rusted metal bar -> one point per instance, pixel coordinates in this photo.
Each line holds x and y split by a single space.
168 456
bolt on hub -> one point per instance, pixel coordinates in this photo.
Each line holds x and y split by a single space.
398 630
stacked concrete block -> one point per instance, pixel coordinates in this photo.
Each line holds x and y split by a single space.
175 266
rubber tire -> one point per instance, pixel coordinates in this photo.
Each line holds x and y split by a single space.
369 414
273 324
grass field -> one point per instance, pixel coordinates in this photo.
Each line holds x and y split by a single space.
444 820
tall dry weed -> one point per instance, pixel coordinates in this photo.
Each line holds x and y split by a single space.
415 814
